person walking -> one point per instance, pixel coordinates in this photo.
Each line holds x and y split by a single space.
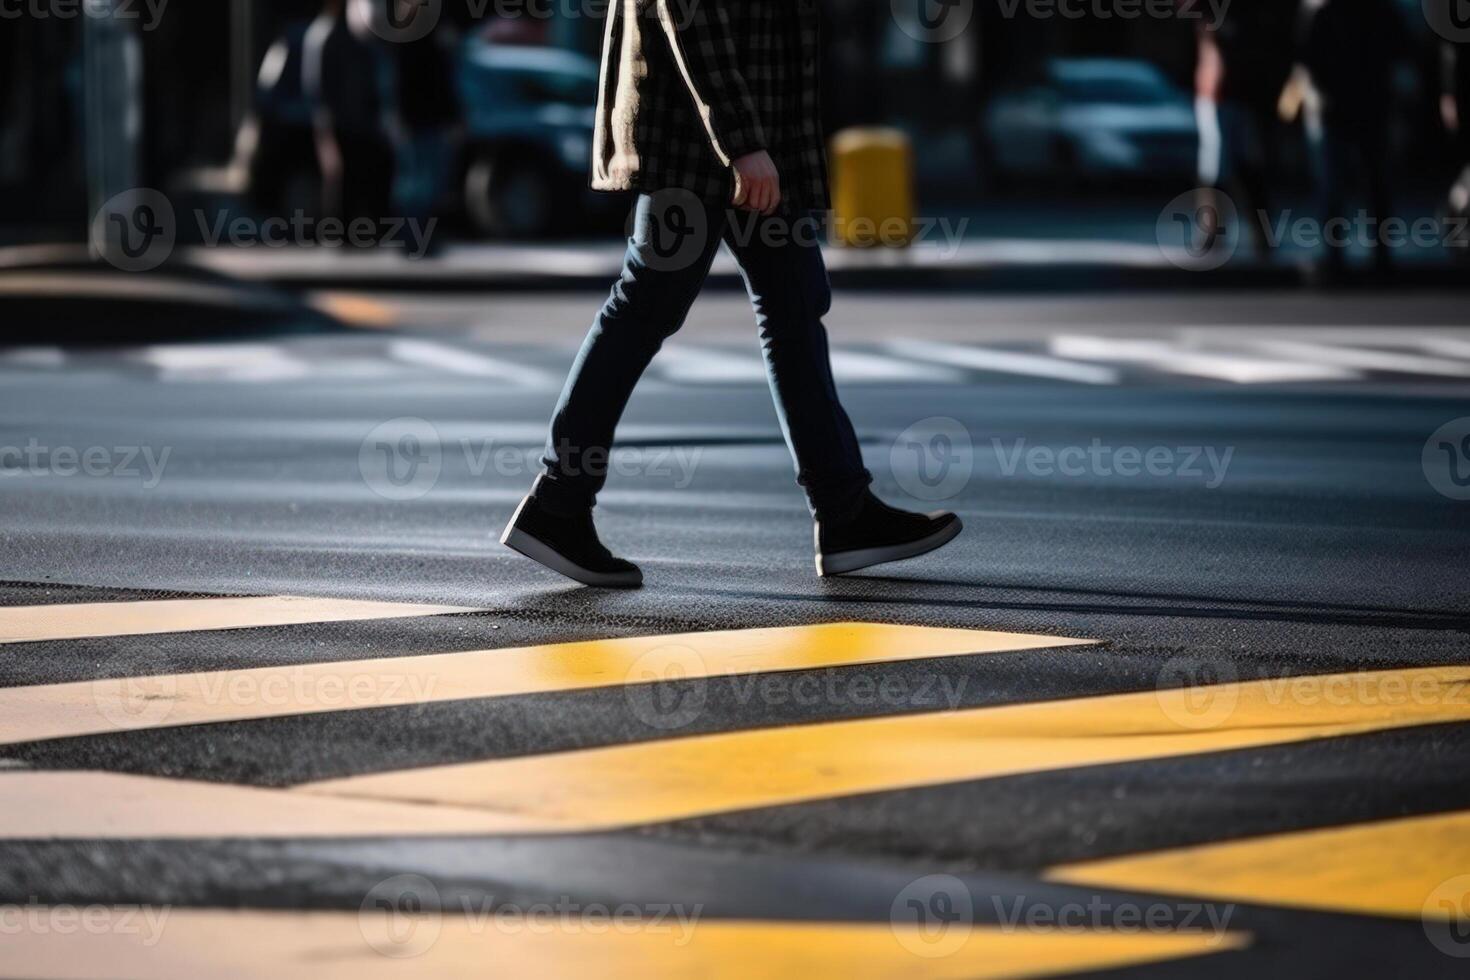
432 117
1243 61
1350 49
348 81
709 110
1454 107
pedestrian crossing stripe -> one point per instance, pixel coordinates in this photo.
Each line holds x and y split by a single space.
112 704
1388 868
50 805
287 945
75 621
654 782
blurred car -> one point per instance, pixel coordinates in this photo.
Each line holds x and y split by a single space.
527 145
1094 119
529 118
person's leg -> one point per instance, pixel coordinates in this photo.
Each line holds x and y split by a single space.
674 240
1331 166
781 260
1377 173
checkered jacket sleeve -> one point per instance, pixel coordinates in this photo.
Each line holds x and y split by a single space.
703 45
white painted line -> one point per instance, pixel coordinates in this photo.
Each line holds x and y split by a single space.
1366 358
1004 361
856 367
456 360
71 621
82 805
1170 358
1447 346
224 362
713 365
708 365
47 357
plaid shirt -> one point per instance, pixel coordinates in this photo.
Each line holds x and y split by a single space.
690 85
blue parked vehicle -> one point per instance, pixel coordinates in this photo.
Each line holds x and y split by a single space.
528 142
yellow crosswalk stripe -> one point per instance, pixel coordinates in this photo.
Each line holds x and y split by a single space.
627 785
183 944
74 621
109 705
1393 868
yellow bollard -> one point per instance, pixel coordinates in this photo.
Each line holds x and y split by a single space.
872 187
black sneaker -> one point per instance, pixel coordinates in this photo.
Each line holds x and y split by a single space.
877 533
568 545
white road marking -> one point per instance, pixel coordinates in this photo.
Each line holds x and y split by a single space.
224 362
858 367
47 357
713 365
456 360
705 365
1366 358
1004 361
1166 356
72 621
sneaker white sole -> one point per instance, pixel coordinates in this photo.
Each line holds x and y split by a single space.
852 561
541 553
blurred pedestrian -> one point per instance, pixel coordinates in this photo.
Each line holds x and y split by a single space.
1244 59
1455 110
348 80
432 117
710 111
276 147
1350 50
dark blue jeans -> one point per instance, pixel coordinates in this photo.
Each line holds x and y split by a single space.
674 241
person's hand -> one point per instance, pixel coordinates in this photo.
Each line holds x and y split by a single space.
328 157
757 184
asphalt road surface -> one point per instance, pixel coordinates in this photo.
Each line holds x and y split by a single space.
1190 696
